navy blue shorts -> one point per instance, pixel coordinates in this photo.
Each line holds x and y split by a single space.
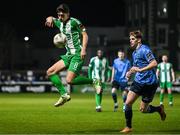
119 85
146 91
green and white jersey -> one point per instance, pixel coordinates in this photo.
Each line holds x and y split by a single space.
165 72
98 68
73 29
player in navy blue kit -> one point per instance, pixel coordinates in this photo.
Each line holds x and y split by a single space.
145 81
119 81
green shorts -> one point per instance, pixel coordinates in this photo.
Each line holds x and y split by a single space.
73 62
164 85
103 86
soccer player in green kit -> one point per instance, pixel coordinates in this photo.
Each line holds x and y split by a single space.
166 76
99 70
73 60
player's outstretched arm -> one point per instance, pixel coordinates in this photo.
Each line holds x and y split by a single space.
49 21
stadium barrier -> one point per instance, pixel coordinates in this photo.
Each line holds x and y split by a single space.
36 81
36 87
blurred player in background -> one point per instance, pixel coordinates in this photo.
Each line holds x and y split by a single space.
120 67
166 76
145 82
99 71
73 60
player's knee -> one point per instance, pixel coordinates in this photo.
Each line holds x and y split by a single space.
48 73
125 92
113 90
69 80
99 91
128 107
143 109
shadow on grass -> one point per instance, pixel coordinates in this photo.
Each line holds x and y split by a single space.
99 131
112 132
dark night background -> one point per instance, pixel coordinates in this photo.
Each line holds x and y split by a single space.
107 23
27 16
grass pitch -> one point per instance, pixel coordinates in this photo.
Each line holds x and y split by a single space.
29 113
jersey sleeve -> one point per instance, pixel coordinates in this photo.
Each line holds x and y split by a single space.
91 62
129 65
56 22
171 65
133 61
158 67
149 55
90 67
114 64
80 27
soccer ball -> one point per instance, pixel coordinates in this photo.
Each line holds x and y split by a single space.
59 40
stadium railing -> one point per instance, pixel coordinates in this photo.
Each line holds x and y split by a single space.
37 81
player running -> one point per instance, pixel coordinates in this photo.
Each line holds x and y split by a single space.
145 82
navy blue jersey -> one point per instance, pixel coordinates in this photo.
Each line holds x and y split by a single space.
141 58
120 69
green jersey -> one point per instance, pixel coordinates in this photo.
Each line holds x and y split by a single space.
165 72
99 69
73 29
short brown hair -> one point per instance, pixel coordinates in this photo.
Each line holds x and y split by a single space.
136 34
63 7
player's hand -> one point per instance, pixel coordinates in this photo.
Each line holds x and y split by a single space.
49 21
108 80
83 53
128 75
173 81
135 69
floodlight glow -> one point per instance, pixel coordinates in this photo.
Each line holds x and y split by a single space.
26 38
164 10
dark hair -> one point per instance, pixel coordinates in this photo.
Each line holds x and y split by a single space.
136 34
63 8
120 50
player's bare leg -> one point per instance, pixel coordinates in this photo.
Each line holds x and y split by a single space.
146 108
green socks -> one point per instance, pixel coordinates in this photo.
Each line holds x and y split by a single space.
77 81
57 83
98 98
170 98
81 80
161 97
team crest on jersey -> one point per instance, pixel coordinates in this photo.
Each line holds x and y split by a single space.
137 55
